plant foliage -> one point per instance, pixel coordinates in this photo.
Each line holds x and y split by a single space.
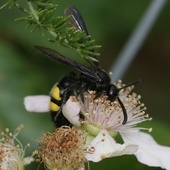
40 14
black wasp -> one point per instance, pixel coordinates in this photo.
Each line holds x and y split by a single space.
90 78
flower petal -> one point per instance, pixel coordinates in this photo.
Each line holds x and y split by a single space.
38 103
104 146
149 152
71 110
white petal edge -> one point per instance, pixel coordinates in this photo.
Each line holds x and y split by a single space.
37 103
104 146
71 110
149 152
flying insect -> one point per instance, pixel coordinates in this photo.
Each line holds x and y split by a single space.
90 78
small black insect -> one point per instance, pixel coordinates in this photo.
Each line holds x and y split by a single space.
90 78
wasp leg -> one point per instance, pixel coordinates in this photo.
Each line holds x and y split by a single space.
80 91
59 119
98 95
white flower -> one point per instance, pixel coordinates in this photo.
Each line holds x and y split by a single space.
102 119
12 152
104 146
149 152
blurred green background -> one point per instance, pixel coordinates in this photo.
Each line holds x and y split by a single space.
24 71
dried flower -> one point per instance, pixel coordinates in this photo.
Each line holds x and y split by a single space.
63 149
12 152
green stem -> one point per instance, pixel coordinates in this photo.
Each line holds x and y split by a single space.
33 11
52 33
21 167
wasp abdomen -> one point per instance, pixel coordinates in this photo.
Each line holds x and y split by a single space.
56 99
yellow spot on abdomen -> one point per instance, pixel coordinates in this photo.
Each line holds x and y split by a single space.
54 107
56 93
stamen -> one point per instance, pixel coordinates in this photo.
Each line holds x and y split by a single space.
12 154
109 115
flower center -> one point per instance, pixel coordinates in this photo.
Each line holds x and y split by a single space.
100 113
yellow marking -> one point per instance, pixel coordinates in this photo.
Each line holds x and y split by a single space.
54 107
56 93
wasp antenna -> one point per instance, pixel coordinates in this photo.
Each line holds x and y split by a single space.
131 84
124 111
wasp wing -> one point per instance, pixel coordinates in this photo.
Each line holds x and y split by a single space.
76 20
60 58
